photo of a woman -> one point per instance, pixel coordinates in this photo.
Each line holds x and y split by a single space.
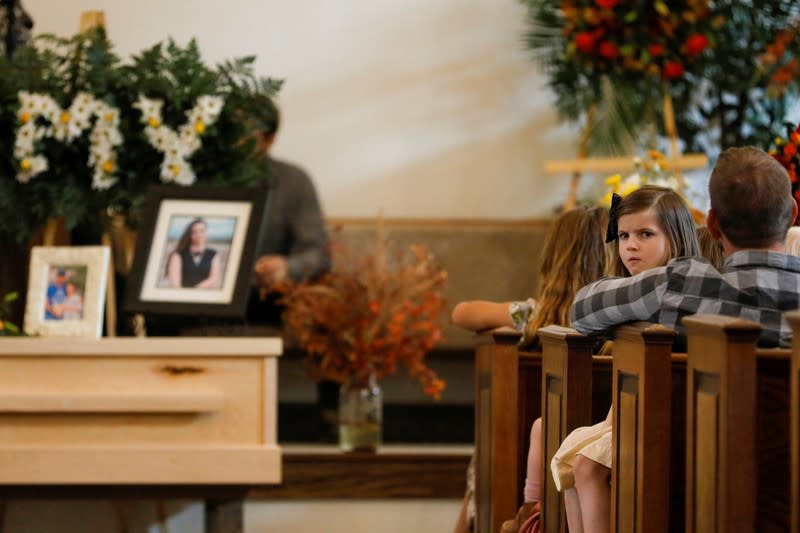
192 263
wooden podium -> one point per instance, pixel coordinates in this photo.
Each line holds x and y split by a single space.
139 417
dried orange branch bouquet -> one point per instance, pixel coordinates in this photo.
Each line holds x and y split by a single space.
370 313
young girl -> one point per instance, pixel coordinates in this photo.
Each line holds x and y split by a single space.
573 255
653 226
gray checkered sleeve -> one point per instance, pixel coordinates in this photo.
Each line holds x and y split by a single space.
612 301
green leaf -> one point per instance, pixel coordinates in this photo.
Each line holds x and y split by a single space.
10 297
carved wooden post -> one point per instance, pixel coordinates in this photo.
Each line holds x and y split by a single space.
721 424
794 412
496 360
529 408
641 428
566 405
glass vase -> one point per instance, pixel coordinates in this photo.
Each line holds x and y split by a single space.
360 415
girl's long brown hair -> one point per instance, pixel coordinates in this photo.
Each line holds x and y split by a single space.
673 216
573 255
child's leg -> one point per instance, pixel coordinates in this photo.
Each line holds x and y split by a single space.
461 522
533 484
573 508
533 474
592 483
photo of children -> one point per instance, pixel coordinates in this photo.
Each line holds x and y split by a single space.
196 252
65 289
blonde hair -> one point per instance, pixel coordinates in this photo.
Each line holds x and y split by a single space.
673 216
573 255
710 248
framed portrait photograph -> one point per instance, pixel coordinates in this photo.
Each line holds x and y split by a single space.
195 251
67 290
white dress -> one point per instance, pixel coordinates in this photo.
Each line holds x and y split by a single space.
593 442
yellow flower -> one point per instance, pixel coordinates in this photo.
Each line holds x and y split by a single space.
627 190
778 141
25 165
153 122
24 117
175 169
108 167
199 127
606 201
614 181
655 155
64 119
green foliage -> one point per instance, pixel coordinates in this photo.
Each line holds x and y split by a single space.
739 97
6 327
177 75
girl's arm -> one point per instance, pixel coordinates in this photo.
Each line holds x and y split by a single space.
174 271
479 315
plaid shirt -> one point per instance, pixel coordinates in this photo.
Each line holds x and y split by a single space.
753 284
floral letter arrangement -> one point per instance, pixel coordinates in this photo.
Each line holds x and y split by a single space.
90 134
66 125
369 314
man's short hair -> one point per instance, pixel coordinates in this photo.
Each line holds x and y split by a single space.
751 197
261 114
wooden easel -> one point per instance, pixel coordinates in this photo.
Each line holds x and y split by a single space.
582 163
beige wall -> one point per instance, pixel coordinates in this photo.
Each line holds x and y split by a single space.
424 108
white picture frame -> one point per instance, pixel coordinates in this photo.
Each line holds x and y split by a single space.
67 291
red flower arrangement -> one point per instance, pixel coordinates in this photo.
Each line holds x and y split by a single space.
785 150
369 314
659 38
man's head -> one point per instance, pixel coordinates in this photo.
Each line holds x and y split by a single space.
751 200
262 118
61 276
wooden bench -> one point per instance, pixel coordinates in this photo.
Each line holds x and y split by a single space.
772 435
496 433
736 437
496 468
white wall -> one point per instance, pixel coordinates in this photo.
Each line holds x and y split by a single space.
424 108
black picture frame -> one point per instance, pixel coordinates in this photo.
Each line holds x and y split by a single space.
167 209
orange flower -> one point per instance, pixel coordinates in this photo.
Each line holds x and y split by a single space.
369 314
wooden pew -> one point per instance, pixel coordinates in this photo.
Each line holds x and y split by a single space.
721 484
794 502
772 433
496 438
601 384
566 366
640 469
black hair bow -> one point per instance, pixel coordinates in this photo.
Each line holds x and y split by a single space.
611 232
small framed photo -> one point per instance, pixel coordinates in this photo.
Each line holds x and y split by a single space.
195 251
67 290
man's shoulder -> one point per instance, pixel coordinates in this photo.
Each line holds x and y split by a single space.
288 172
691 266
